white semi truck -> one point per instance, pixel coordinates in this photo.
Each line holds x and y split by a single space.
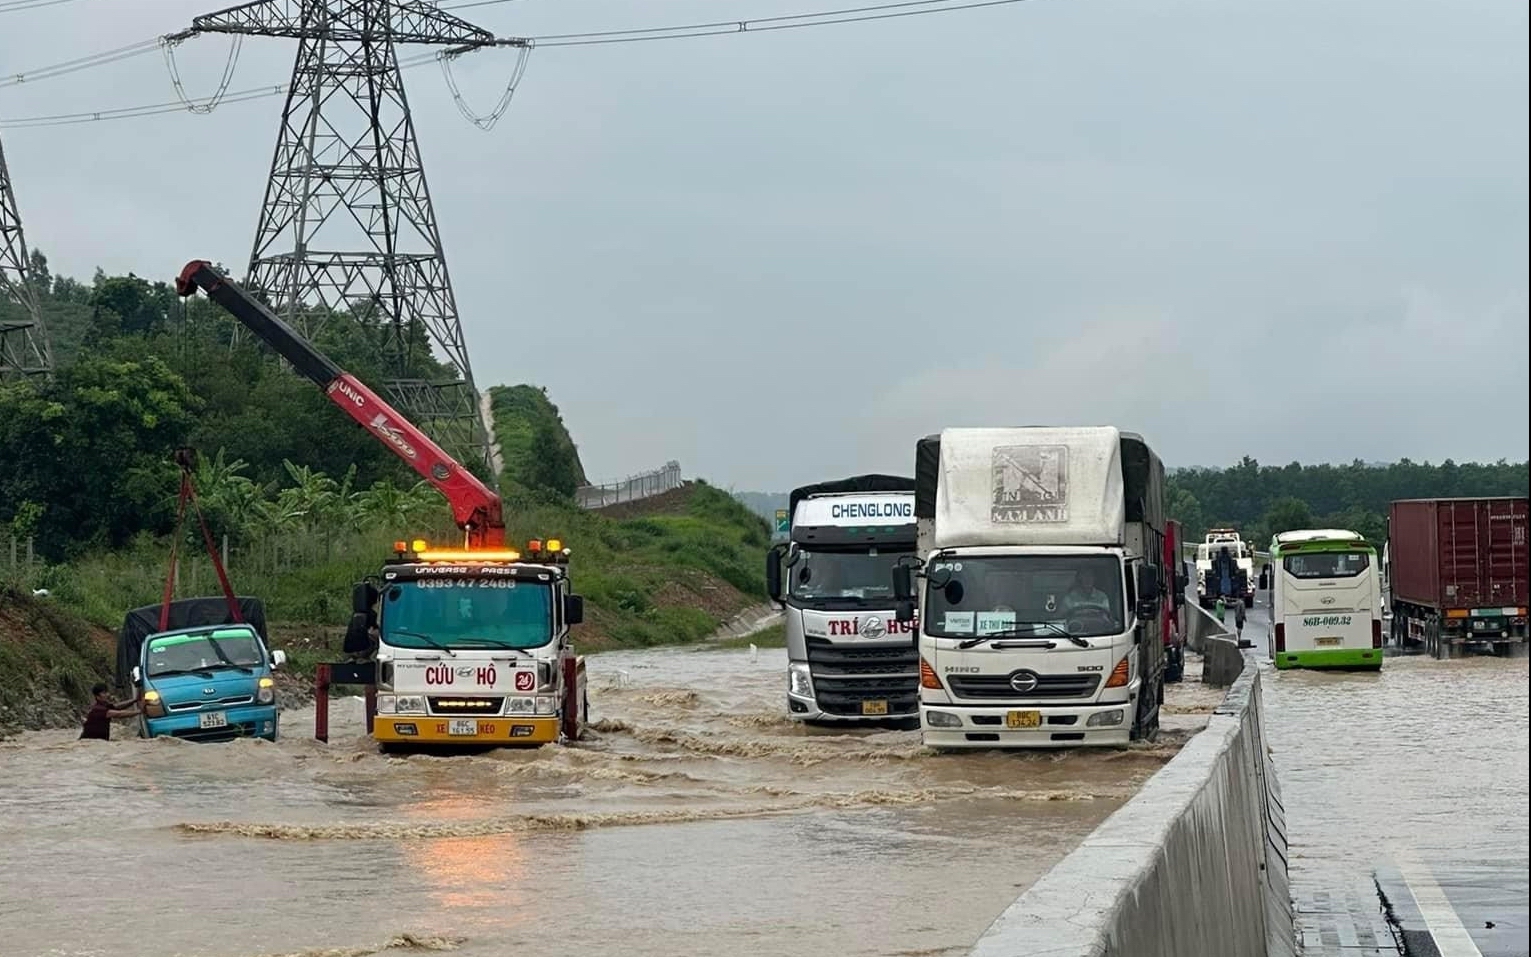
1040 575
849 659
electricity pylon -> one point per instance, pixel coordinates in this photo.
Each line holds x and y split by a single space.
347 232
24 347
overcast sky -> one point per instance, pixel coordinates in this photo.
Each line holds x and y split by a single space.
1292 230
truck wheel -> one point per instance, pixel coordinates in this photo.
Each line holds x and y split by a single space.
1249 601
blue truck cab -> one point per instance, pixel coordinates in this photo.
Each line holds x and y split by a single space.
213 682
201 669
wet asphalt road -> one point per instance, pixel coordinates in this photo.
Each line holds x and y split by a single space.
1419 773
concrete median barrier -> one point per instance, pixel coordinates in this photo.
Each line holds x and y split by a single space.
1194 865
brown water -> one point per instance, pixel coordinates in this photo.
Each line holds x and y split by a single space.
696 821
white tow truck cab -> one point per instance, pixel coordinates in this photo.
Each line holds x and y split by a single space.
848 658
1243 558
1040 568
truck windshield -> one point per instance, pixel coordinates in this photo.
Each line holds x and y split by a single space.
1025 595
204 651
841 577
468 613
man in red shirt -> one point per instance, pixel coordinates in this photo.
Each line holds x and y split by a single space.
98 720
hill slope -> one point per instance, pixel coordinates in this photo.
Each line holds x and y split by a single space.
537 449
48 661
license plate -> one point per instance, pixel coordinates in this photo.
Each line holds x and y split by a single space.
212 719
1327 642
463 726
874 707
1023 719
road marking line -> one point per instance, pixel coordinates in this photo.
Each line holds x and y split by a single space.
1451 938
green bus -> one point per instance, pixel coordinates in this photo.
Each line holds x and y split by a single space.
1326 600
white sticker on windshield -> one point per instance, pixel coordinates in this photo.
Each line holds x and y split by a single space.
958 623
990 622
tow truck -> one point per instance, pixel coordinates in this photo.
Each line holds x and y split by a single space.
465 643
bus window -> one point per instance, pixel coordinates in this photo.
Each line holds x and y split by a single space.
1326 564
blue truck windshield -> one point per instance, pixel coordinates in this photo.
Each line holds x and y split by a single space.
467 613
203 651
849 576
1026 595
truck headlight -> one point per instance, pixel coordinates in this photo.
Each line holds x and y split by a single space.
799 680
409 704
386 704
520 705
547 704
1105 718
266 692
940 719
154 706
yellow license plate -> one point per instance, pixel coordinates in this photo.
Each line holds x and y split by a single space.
1023 719
874 707
1327 642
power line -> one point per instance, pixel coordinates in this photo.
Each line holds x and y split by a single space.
881 11
14 6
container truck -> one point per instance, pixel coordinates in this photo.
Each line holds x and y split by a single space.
1038 586
848 658
1456 574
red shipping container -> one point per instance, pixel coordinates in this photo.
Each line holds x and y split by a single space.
1459 553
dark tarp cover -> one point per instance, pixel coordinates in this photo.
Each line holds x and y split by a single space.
856 483
140 623
1142 482
927 475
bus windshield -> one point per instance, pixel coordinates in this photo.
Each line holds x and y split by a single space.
467 613
844 576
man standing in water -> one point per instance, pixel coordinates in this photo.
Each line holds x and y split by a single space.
98 720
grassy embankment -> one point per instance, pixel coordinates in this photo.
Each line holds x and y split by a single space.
665 570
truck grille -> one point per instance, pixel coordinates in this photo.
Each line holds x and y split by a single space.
1048 686
230 702
455 705
846 675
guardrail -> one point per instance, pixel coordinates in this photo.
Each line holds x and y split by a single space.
630 489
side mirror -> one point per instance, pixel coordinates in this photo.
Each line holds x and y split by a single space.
138 675
773 573
278 659
573 609
357 640
1148 584
903 586
363 597
903 611
1147 609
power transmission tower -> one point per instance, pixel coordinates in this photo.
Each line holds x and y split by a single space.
24 347
347 232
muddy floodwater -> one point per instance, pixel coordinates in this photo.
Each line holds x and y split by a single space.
696 820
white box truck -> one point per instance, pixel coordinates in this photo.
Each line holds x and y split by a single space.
1040 575
848 658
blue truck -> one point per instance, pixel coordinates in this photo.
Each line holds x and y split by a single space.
202 672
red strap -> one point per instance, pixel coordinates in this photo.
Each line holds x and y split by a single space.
189 494
175 544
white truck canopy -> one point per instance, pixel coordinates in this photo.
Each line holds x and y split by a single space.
1042 486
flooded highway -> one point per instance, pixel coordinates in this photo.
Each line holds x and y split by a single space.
696 820
1424 764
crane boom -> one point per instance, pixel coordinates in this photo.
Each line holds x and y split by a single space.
475 507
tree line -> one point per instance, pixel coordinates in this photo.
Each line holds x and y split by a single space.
1263 500
87 458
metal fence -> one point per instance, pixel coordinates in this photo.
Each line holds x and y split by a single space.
630 489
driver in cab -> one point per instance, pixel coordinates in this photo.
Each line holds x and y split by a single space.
1084 594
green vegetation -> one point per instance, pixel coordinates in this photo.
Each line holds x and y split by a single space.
1262 501
48 661
535 445
305 502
